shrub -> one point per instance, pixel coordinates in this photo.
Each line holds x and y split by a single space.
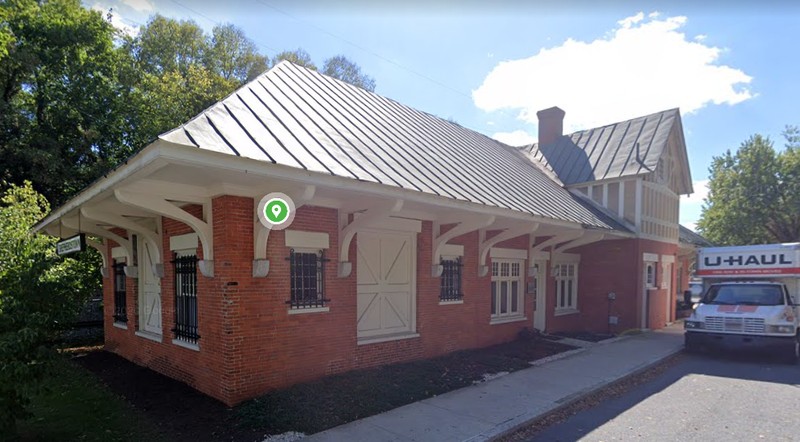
40 293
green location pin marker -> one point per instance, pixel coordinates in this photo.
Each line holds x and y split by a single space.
276 210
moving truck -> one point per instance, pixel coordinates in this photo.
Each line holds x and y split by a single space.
749 300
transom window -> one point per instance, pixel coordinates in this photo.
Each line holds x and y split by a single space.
307 275
185 266
120 294
566 276
506 288
451 280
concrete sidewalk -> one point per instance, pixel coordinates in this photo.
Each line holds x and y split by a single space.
492 408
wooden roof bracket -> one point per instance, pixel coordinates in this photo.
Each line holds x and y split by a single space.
94 229
261 232
484 245
159 205
587 238
152 237
100 246
558 239
461 228
348 232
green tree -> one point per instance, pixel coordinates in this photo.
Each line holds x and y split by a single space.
61 106
298 56
39 292
342 68
753 195
234 56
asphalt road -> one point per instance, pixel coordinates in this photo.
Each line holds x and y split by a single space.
701 398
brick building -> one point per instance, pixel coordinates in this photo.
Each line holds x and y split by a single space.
412 236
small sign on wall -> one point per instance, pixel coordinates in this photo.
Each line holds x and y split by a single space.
71 245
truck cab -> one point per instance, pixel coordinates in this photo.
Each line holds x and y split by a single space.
757 315
749 299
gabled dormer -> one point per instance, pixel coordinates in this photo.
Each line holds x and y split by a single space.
636 169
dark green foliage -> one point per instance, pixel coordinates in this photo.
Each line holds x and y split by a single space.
39 294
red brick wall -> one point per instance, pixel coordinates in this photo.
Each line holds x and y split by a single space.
200 369
612 266
250 343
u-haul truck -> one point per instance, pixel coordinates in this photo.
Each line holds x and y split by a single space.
748 299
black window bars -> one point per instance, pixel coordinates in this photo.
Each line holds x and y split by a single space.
451 280
307 276
186 298
120 292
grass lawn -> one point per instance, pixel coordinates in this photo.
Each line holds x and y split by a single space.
75 406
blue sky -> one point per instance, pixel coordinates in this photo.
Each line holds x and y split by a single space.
731 67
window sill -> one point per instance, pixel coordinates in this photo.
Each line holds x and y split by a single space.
453 302
149 335
387 338
566 311
121 325
186 345
507 319
300 311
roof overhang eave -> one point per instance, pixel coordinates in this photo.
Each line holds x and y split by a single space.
134 164
178 154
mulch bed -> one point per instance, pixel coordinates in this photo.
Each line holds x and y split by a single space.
184 414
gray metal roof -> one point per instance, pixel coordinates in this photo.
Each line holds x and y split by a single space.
689 237
300 118
617 150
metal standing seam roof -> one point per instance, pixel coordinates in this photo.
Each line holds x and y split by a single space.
627 148
689 237
297 117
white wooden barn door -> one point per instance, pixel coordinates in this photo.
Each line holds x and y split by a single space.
149 292
386 269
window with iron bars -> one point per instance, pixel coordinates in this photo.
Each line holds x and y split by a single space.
451 280
307 275
120 292
185 298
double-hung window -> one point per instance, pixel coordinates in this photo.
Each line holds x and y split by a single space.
451 280
185 267
566 276
507 295
307 276
120 294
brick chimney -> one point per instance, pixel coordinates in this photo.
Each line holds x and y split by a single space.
551 125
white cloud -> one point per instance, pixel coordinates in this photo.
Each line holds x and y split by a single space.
700 193
139 5
516 138
644 65
116 19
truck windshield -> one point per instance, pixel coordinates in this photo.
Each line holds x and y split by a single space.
744 294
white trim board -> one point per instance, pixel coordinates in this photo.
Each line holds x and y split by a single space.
310 240
500 252
183 242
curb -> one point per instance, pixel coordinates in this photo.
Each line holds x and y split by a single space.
518 422
557 356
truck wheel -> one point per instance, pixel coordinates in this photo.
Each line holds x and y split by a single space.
793 354
689 345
